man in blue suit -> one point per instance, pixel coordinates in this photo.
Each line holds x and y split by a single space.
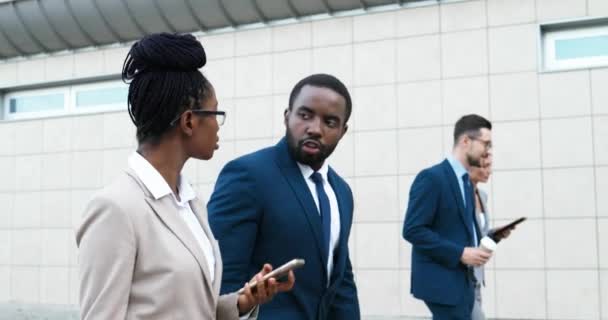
441 226
285 202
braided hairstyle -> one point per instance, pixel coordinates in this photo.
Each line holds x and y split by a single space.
164 81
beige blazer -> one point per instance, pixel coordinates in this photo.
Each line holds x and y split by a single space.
139 260
483 198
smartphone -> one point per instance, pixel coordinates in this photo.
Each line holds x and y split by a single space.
278 273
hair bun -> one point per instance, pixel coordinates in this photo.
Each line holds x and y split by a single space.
165 52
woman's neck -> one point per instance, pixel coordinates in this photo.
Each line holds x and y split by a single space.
167 159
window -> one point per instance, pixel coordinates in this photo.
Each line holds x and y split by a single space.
104 96
96 97
573 45
36 103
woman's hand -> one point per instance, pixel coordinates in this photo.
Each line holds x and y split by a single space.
502 235
264 291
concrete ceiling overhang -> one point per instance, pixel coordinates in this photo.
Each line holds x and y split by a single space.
29 27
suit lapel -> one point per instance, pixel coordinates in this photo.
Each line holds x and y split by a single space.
344 220
293 175
455 187
473 211
201 214
478 220
167 212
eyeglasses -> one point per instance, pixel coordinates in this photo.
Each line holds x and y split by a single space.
220 116
486 143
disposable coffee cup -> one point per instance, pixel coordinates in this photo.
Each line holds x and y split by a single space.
487 244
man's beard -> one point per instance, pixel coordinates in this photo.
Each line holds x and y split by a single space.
474 162
316 160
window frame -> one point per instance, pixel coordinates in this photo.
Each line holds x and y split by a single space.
571 29
31 93
97 108
70 108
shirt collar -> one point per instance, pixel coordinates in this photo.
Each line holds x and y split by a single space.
156 184
307 171
458 168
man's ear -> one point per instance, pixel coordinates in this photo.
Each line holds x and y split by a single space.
286 114
464 139
344 131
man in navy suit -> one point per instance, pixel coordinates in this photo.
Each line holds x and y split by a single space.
441 226
285 202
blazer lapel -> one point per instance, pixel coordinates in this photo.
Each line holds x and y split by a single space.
167 212
483 198
293 175
201 214
476 225
455 187
345 219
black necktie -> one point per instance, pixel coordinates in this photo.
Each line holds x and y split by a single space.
325 211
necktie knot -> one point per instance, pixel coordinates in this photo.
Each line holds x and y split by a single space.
317 178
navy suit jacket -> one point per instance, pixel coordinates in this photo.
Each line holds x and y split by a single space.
262 211
438 227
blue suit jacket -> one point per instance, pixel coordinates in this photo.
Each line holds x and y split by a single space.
262 211
438 227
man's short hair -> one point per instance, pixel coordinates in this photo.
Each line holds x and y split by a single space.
322 80
470 125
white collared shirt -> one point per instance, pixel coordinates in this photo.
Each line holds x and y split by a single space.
158 187
482 221
334 233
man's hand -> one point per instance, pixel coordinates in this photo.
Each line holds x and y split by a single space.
475 256
264 291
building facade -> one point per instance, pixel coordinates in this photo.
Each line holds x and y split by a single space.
413 69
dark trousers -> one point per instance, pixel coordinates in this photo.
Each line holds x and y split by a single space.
461 311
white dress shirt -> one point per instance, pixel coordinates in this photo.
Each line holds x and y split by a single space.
482 220
334 233
159 188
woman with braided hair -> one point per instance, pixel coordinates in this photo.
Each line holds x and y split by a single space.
145 247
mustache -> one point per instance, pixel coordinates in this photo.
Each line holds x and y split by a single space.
313 140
